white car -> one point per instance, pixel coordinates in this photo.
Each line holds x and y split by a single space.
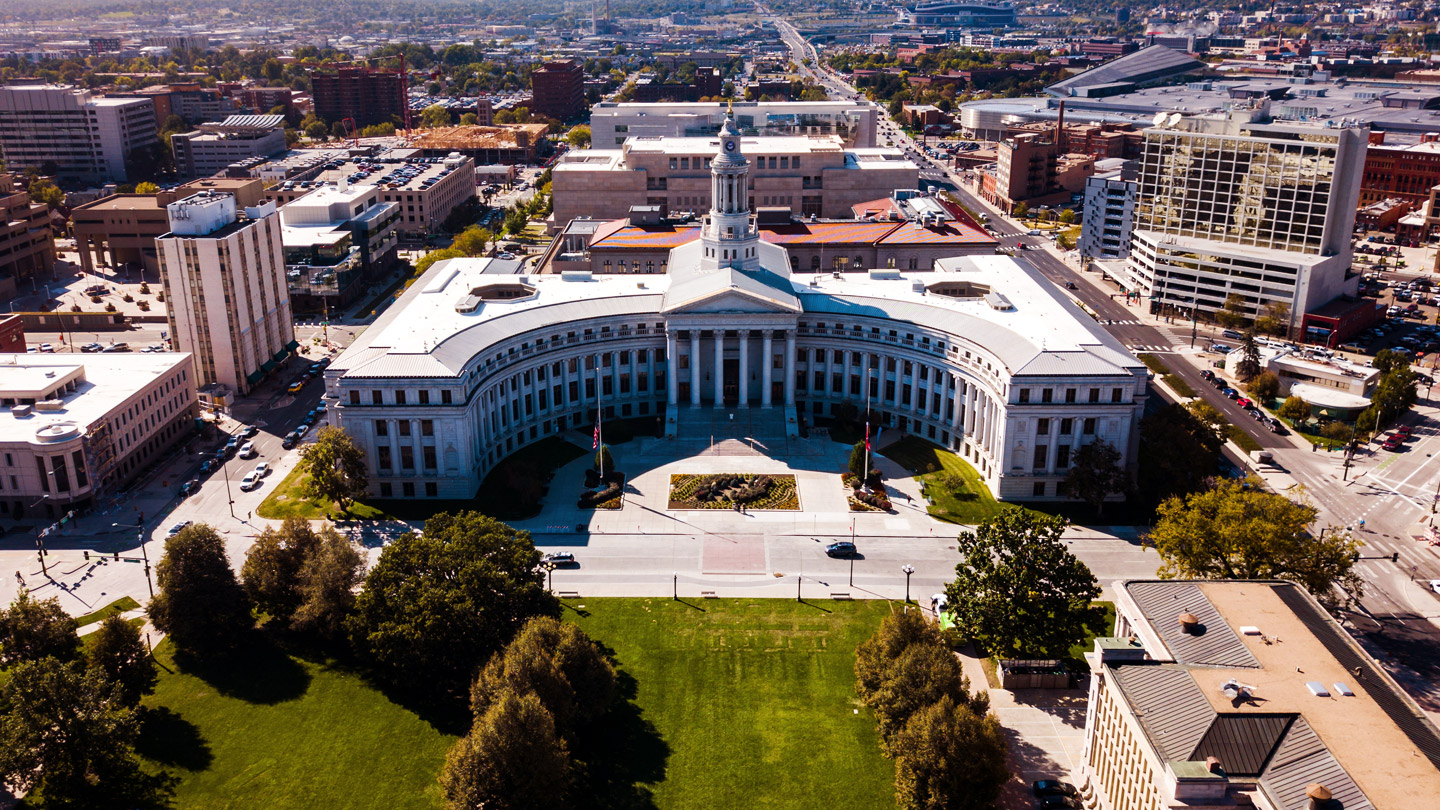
46 347
262 469
247 450
249 482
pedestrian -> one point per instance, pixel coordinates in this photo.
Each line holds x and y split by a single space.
250 514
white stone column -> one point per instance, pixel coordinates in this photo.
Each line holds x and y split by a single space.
744 368
634 373
790 366
958 416
695 367
672 366
767 351
615 376
719 368
970 409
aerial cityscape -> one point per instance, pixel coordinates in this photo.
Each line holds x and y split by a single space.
935 405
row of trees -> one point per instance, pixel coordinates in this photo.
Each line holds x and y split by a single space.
69 714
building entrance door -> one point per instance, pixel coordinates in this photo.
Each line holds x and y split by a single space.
777 391
682 392
732 382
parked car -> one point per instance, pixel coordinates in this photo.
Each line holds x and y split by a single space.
1231 393
1219 348
231 447
843 548
46 347
117 347
250 430
559 558
1052 787
178 527
91 348
1394 444
1059 803
1233 335
1244 403
189 487
209 465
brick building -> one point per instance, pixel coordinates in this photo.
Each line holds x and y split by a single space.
27 245
1404 172
559 89
367 96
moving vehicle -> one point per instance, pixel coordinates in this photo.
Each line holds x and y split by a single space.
296 386
189 487
262 469
250 430
249 482
46 347
1052 787
247 450
843 548
117 347
178 527
559 558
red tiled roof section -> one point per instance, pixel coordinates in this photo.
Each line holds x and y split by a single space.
619 235
801 233
642 236
911 234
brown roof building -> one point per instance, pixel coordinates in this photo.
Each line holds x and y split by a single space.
1225 694
505 144
559 89
27 244
367 96
120 230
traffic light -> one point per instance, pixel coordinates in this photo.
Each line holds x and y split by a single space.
1394 556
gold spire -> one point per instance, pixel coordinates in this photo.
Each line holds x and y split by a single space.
730 107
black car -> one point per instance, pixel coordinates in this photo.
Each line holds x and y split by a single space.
209 465
559 558
291 439
250 430
1052 787
189 487
843 548
1055 802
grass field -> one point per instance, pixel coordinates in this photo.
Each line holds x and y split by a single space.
974 504
280 732
753 700
120 605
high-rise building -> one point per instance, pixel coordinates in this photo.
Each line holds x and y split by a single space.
559 89
213 147
1237 205
27 243
1109 210
224 276
67 132
366 96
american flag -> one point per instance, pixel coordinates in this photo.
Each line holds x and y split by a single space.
867 438
595 440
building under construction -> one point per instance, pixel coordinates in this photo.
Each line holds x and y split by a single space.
505 144
363 95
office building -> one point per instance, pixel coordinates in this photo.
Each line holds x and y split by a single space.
74 428
337 238
855 123
427 189
1109 213
1031 168
1237 205
192 101
82 138
213 147
362 95
12 334
559 89
254 100
27 242
811 176
1214 695
1400 172
224 277
120 230
983 356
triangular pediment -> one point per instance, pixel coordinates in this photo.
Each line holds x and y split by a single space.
730 300
729 290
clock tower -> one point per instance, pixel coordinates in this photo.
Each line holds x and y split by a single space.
728 236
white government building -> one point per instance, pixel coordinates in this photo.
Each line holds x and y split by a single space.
983 356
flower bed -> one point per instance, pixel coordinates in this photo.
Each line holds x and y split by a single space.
611 495
726 490
876 500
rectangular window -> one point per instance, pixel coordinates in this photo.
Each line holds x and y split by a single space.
377 398
382 457
354 397
407 457
1115 394
1070 396
1039 489
1024 395
1094 394
428 453
382 428
1047 395
424 396
1062 457
432 490
427 427
445 397
1067 426
399 397
387 490
404 427
1042 427
1089 427
408 489
1041 451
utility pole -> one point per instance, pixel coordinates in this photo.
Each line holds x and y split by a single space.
908 569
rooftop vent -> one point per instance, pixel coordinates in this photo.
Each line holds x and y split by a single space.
1235 690
1317 689
1344 689
1318 795
1212 764
21 411
1189 623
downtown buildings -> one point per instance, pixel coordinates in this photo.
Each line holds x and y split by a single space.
1240 205
224 275
27 243
558 87
67 131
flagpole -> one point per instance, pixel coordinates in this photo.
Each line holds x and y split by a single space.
599 427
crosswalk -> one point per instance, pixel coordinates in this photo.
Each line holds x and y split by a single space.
1109 322
1152 348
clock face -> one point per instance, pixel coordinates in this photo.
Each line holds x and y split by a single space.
729 146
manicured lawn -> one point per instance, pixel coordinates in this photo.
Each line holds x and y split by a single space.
512 491
286 500
120 605
754 700
281 732
971 505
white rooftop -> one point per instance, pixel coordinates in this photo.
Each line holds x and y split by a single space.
109 380
1041 332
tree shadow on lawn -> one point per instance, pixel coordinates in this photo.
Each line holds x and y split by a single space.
256 670
169 739
619 755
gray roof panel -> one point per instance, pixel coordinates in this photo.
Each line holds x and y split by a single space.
1154 62
1303 759
1175 713
1218 646
1242 742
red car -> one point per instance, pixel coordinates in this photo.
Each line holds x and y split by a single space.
1244 403
1394 444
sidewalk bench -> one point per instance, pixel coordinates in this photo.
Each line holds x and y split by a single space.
841 595
708 595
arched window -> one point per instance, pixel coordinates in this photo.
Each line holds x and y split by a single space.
814 263
650 266
607 265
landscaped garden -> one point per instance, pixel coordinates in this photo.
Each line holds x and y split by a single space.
953 489
732 490
753 700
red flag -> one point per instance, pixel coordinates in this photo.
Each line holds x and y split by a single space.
595 442
867 438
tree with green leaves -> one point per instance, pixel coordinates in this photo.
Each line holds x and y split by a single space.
271 573
1237 530
1207 414
512 759
63 728
1232 315
1096 474
860 460
118 651
334 468
438 604
1018 591
948 757
327 582
1020 210
199 604
1294 408
906 666
1248 366
469 120
316 131
435 117
1274 319
1264 386
146 188
578 136
604 460
31 629
1067 216
44 192
560 664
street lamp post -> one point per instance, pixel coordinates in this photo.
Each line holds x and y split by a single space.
675 586
908 569
144 555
